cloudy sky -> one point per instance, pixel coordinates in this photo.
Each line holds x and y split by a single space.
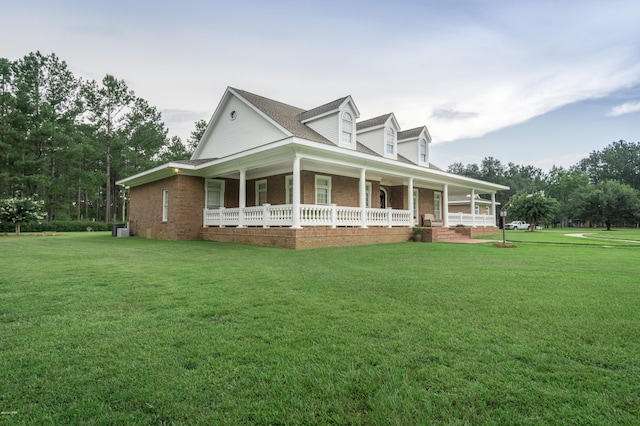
532 82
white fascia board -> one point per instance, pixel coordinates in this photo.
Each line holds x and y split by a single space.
389 166
157 173
262 114
353 105
393 120
216 114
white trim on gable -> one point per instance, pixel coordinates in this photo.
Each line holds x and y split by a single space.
220 114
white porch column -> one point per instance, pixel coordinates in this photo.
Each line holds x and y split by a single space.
493 208
473 208
445 206
242 197
296 194
410 190
363 198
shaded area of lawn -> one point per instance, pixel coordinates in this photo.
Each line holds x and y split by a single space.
104 330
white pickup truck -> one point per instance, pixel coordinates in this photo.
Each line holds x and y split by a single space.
517 224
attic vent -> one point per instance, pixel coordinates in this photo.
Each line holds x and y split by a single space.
233 115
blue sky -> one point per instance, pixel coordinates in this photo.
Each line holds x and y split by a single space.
531 82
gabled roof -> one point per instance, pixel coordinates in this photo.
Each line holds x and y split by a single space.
284 115
373 122
322 109
414 133
376 122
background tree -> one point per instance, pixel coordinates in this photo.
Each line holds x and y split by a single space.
196 135
610 202
534 208
566 186
20 210
619 161
107 105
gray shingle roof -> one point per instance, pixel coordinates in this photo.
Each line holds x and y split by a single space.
372 122
363 149
285 115
321 109
411 133
195 162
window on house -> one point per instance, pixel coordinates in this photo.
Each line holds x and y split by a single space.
423 151
486 210
437 205
347 129
323 190
165 205
214 193
390 141
288 182
368 195
261 192
477 209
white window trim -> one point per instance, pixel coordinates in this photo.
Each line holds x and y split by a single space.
328 178
165 205
257 199
206 191
288 185
437 205
423 142
368 194
477 209
487 210
393 144
342 131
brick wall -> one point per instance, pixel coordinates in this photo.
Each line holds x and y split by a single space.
186 203
307 237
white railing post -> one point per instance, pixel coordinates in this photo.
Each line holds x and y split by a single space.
334 215
242 196
390 217
265 215
295 213
221 222
445 205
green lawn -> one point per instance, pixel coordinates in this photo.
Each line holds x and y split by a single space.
101 330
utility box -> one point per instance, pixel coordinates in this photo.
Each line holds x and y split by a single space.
123 232
115 227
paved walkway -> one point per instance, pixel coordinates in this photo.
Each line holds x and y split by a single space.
600 238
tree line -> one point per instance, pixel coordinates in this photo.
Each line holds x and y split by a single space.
603 188
67 141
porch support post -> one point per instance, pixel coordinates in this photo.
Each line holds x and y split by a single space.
445 206
410 203
493 208
295 214
473 208
363 198
242 197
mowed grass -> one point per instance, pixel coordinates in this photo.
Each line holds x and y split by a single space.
100 330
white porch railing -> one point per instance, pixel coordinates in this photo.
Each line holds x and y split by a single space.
467 219
310 215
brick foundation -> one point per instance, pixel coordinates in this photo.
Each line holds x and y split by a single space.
307 237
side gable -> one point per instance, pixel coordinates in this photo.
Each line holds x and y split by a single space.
237 125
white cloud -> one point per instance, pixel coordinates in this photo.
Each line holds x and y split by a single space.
625 108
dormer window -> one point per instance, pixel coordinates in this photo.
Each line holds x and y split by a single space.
347 129
390 141
423 151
